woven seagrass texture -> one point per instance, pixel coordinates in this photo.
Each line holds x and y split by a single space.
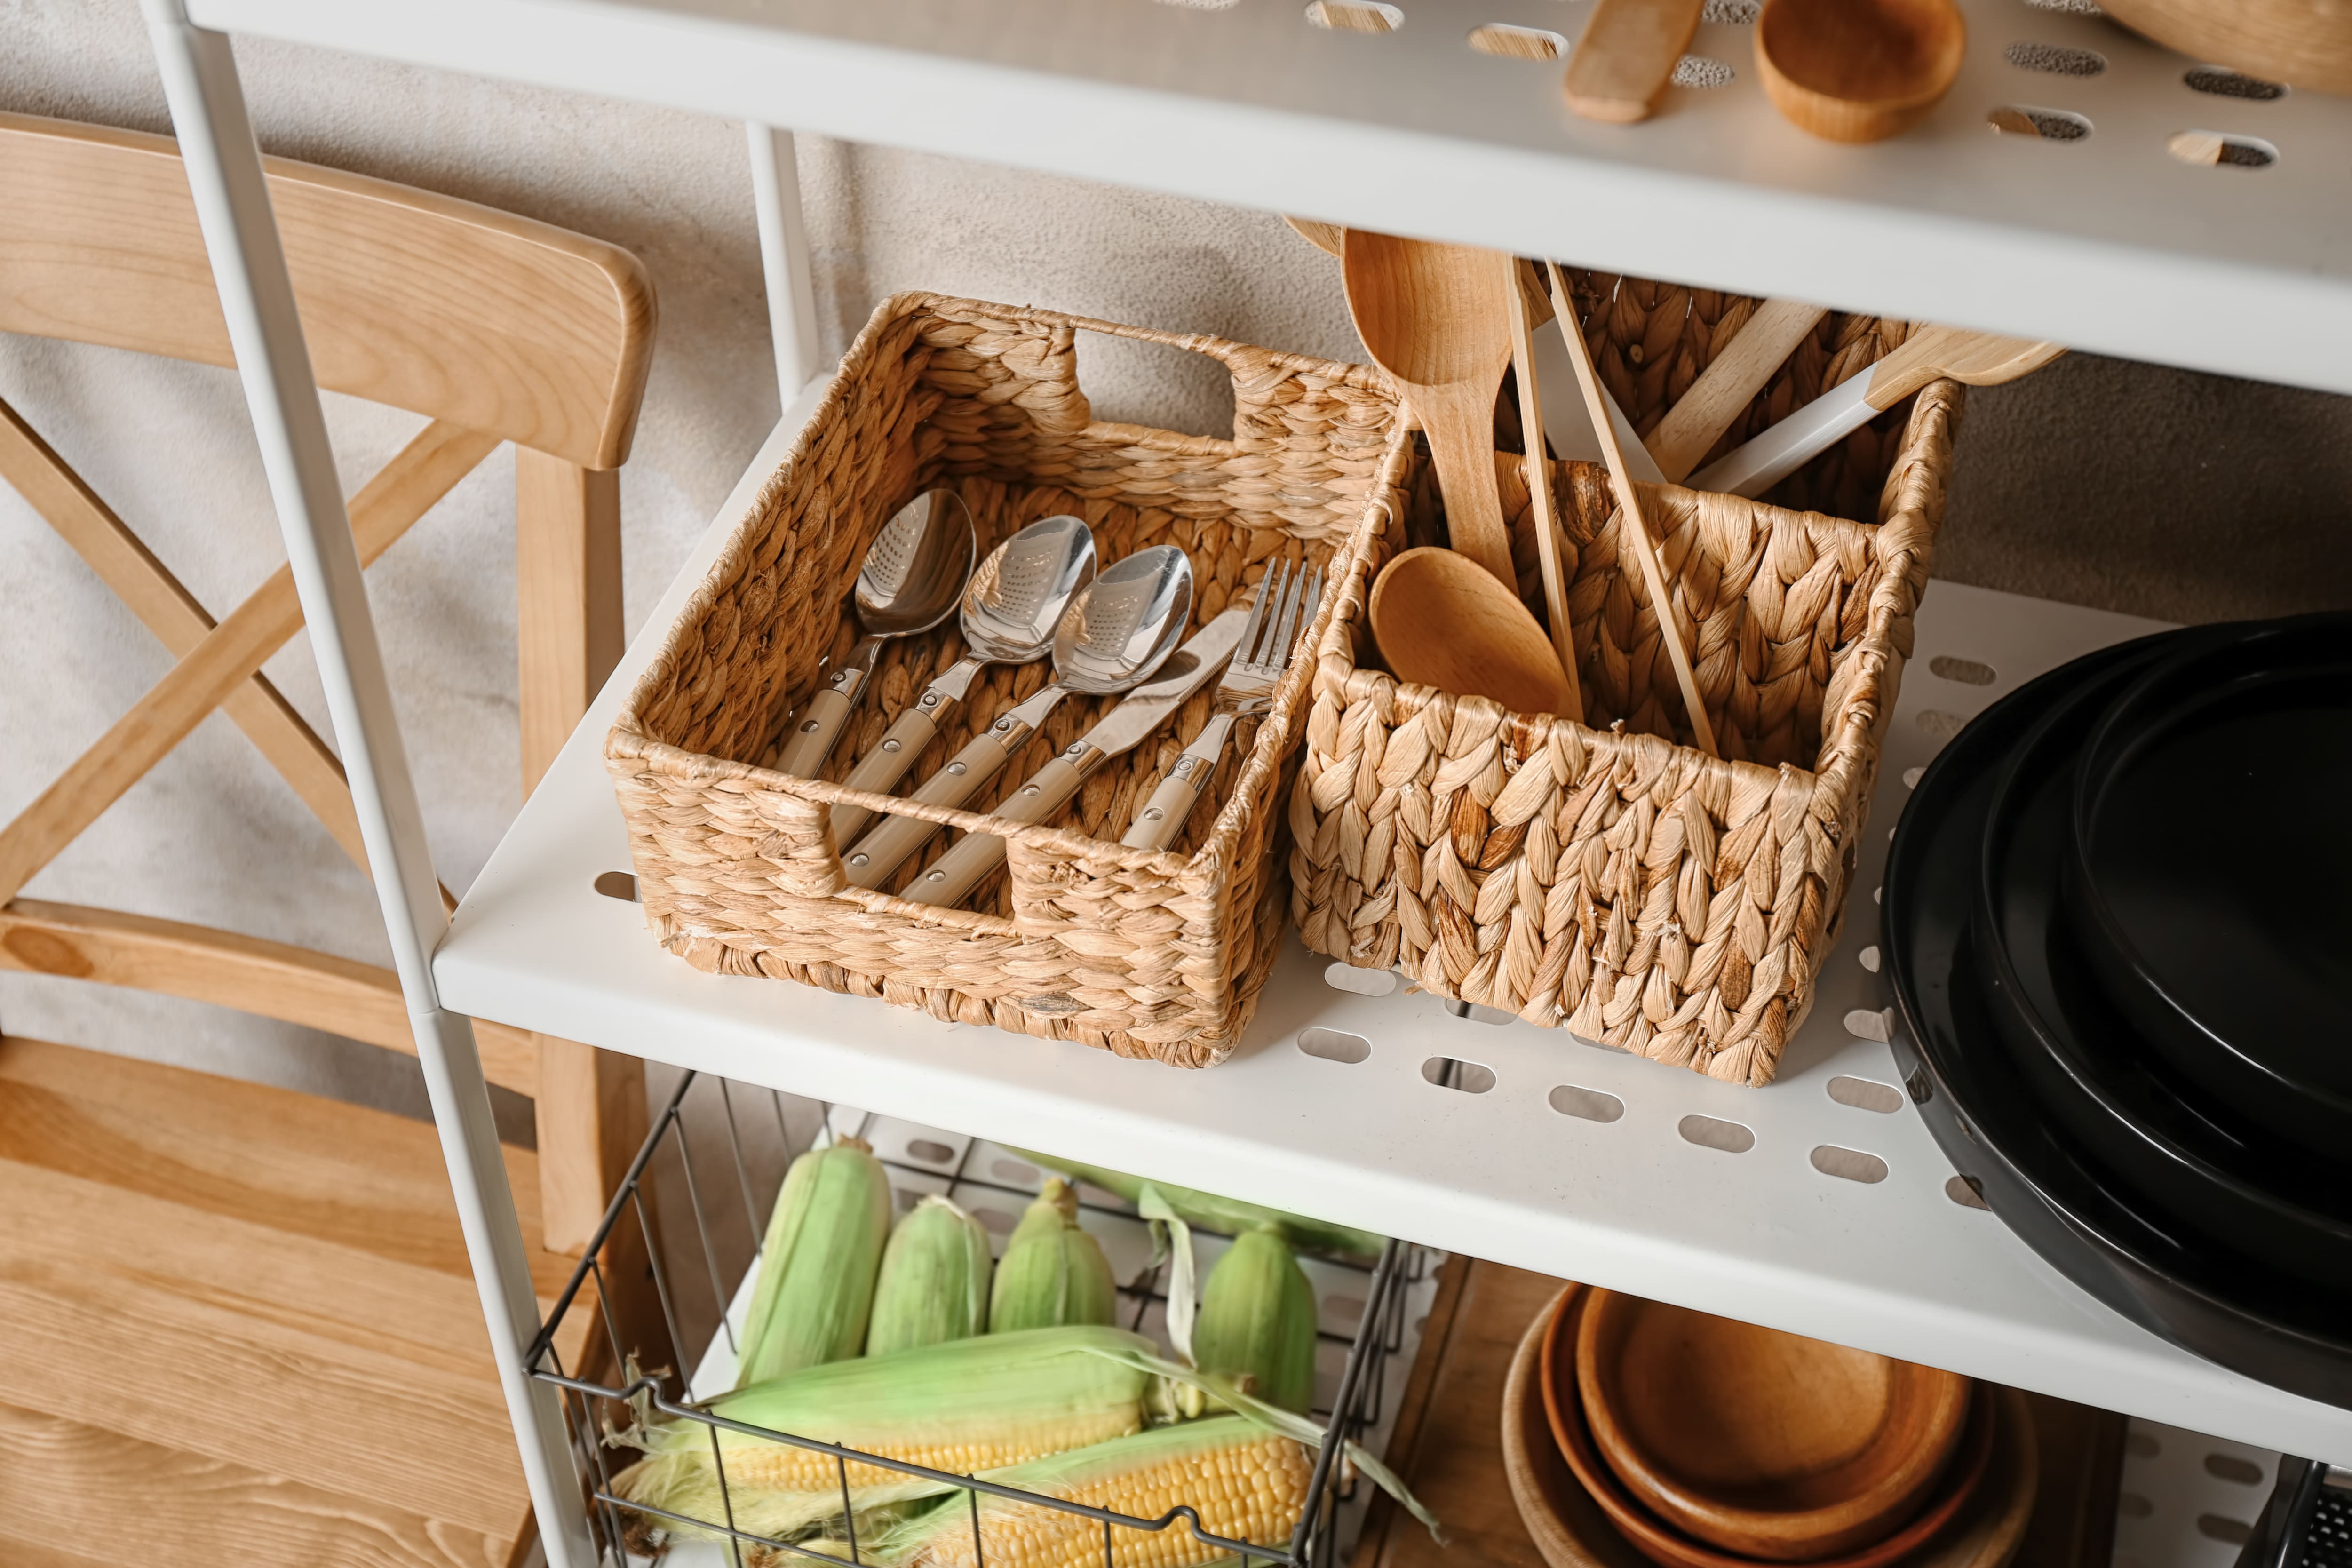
1608 878
1142 952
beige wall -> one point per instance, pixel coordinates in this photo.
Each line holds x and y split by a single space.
2150 490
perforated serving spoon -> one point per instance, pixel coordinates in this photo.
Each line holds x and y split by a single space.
908 584
1119 629
1010 607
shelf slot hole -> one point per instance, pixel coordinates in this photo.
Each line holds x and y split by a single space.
1702 72
1849 1165
1868 958
1477 1013
996 1221
2132 1505
1732 13
1967 671
1864 1095
930 1153
1013 1172
1355 16
1935 721
1508 43
2068 8
1360 982
2054 60
1334 1044
618 885
1911 777
1863 1024
2038 124
1451 1072
2141 1443
2230 1468
1963 1191
2223 1529
2210 149
1589 1104
1709 1133
2215 83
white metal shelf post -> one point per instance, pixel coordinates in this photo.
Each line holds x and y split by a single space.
783 258
232 198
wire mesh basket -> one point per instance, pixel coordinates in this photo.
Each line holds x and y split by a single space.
670 1273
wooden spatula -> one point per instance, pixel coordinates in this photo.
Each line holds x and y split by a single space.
1626 55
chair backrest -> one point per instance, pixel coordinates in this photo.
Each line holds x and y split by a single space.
457 312
496 327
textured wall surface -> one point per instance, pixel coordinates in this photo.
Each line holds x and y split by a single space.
2157 491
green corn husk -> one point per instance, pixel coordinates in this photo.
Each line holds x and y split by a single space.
964 1406
934 1282
1230 1216
1054 1274
1257 1319
817 1265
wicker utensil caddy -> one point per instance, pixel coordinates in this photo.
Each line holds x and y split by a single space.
1147 953
1608 878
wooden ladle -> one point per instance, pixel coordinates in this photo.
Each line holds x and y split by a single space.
1858 70
1436 318
1441 621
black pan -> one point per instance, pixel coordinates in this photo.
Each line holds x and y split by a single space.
2209 880
2255 1321
2243 1189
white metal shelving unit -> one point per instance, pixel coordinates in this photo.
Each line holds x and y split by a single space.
1548 1153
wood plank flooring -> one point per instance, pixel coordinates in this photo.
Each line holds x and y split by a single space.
244 1330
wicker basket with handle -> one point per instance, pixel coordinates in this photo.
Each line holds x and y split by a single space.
1145 953
1606 877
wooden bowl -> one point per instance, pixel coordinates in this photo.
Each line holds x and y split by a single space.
1768 1445
1670 1548
1858 70
1570 1529
2303 43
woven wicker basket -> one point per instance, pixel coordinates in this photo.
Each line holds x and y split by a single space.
1609 879
1148 953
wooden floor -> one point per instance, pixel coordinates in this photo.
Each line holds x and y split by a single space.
241 1330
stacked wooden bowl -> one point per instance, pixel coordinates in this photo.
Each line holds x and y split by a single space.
1638 1434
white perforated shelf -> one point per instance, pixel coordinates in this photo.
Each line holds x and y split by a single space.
2091 233
1806 1206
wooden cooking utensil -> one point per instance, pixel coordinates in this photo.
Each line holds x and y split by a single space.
2293 41
1729 383
1443 621
1570 1529
1625 57
1930 353
1539 472
1436 318
1630 508
1768 1445
1858 70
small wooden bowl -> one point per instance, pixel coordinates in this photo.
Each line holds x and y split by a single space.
1858 70
1670 1549
1570 1529
1766 1445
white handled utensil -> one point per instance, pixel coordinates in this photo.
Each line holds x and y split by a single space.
1931 353
1010 607
952 878
1261 655
1119 629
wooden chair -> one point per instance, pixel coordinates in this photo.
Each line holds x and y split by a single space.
497 329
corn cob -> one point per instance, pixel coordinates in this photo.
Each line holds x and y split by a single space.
1053 1273
817 1264
1247 1483
963 1406
934 1282
1258 1321
1230 1216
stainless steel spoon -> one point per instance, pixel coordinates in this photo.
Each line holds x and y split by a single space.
1119 629
1010 607
907 582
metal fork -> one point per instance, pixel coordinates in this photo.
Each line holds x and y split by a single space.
1247 691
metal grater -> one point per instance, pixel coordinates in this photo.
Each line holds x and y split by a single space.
892 555
2307 1524
2327 1539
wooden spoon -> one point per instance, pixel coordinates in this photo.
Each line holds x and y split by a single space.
1441 621
1629 506
1625 57
1436 318
1858 70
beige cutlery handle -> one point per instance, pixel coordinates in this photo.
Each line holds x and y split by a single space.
880 770
1164 815
1462 444
953 875
873 858
1626 55
812 737
1723 393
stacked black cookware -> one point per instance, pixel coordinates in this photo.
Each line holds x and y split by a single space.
2118 919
